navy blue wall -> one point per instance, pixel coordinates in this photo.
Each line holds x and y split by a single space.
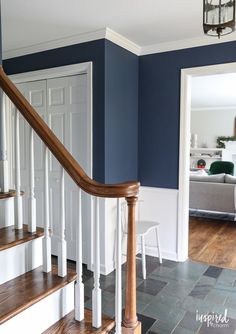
115 102
159 108
91 51
121 114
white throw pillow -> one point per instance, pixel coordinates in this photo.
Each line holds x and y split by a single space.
201 172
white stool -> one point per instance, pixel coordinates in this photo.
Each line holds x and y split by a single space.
143 227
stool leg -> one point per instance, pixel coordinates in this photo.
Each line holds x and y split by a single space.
158 243
143 257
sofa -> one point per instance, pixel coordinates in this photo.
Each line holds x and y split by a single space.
212 192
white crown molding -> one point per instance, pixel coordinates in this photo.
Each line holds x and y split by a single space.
123 42
185 44
109 34
105 33
58 43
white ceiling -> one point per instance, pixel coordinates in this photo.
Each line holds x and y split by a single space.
144 22
215 91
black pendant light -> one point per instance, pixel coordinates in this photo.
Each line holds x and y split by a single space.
218 17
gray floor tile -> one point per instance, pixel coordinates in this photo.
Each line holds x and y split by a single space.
147 322
192 304
231 312
227 328
207 280
164 312
181 330
189 322
168 299
178 289
227 277
217 296
231 300
200 290
161 270
144 297
169 264
213 272
161 327
151 286
172 294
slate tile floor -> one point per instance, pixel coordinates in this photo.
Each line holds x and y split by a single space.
169 299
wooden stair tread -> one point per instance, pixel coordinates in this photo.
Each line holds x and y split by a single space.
10 237
69 325
10 193
20 293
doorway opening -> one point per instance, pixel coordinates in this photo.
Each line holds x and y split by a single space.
205 235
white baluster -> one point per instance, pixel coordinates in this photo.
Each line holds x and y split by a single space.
47 263
4 177
32 199
96 295
62 267
18 198
118 300
79 286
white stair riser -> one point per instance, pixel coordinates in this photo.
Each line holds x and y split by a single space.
20 259
6 212
40 316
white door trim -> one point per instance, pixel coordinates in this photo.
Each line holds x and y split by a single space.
184 147
56 72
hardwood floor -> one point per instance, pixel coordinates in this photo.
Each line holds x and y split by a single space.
10 237
18 294
213 242
68 325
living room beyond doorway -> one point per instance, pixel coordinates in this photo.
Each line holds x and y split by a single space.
212 165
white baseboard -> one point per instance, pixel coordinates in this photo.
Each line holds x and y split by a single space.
152 251
40 316
27 256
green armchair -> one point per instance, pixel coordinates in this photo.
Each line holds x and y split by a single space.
218 167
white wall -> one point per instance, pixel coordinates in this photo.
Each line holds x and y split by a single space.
211 123
159 205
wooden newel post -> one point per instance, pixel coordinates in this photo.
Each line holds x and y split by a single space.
130 324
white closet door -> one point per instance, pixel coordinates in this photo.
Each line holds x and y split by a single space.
68 118
62 102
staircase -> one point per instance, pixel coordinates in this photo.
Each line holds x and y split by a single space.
37 296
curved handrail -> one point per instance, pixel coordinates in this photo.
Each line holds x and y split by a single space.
127 189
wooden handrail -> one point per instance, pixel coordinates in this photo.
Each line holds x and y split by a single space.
127 189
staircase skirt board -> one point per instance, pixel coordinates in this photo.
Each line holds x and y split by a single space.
69 325
34 301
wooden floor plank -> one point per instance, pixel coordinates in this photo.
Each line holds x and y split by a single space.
68 325
213 242
18 294
10 237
